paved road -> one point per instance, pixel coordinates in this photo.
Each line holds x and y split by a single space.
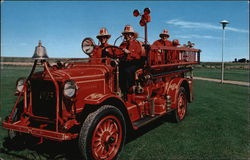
225 81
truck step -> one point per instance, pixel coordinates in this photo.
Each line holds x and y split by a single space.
141 122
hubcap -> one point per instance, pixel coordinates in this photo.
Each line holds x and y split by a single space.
107 138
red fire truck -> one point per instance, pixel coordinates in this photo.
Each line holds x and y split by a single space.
81 98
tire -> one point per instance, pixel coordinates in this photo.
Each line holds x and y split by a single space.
181 108
16 140
13 135
103 134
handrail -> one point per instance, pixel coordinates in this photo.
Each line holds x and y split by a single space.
166 56
57 93
153 47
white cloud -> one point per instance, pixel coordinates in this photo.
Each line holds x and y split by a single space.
237 30
198 25
197 36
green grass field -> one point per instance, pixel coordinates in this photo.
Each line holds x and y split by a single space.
225 63
216 127
229 74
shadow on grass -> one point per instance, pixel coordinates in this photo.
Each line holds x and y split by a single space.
49 150
133 135
68 150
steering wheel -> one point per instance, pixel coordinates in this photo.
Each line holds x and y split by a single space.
114 52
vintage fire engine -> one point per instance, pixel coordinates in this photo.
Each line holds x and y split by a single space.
81 98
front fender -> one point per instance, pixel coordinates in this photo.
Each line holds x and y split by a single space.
173 90
98 98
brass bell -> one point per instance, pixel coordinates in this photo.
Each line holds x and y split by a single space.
40 52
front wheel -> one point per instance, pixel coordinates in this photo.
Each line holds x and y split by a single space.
17 140
181 108
103 134
13 135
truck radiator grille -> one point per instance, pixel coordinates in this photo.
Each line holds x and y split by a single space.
43 98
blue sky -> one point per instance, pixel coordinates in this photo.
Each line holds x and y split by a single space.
61 25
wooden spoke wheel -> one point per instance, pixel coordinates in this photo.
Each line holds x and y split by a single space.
103 133
181 108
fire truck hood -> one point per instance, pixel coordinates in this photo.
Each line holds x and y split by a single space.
77 74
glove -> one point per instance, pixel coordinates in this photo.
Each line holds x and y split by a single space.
126 50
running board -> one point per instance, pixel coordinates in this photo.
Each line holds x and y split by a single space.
141 122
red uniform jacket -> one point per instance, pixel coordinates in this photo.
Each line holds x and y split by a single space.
97 53
134 47
159 57
160 42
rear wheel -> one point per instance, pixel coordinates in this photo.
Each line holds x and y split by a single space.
181 108
103 134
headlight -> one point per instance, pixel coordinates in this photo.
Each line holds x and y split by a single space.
20 84
69 89
88 45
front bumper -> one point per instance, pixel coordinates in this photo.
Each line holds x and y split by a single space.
48 134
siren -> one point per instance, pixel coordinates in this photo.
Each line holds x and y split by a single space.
40 52
136 13
146 11
145 17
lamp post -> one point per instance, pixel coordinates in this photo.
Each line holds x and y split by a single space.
224 23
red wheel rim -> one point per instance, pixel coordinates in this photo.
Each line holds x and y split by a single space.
107 138
182 105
